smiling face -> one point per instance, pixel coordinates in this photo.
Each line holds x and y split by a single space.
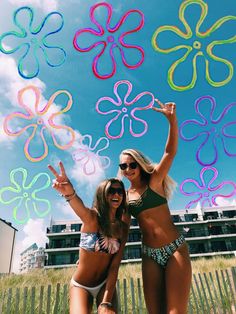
115 194
129 167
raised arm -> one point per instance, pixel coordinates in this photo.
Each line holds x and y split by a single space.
62 184
163 167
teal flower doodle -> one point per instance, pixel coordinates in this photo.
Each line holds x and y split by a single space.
33 41
196 48
24 196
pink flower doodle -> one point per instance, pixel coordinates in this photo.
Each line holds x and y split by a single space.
90 156
205 192
211 130
109 41
41 120
123 110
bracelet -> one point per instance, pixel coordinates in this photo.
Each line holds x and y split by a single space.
108 304
70 197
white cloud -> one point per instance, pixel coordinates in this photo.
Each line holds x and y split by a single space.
11 82
222 201
34 232
46 5
64 207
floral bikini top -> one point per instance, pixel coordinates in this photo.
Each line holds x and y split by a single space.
97 242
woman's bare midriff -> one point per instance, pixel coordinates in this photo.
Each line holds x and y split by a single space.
157 226
92 268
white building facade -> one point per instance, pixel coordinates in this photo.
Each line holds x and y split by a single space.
7 243
31 258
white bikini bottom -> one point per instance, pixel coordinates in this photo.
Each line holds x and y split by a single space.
92 290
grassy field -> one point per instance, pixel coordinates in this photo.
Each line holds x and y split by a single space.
52 276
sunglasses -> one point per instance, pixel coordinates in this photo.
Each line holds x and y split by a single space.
132 165
113 191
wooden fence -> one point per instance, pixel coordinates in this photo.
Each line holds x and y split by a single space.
213 292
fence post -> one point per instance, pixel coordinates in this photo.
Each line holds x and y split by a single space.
25 293
41 299
57 299
17 300
231 289
32 300
204 292
209 290
48 299
140 301
221 295
64 298
199 293
118 295
9 300
125 296
132 294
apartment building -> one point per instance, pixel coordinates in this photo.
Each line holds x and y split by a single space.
31 258
208 232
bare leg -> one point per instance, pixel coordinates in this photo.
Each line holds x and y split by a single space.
153 286
178 281
114 299
81 301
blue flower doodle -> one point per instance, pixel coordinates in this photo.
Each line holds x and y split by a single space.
24 197
32 41
211 130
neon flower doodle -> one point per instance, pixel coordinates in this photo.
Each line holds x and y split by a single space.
107 39
194 46
123 111
90 156
214 131
25 197
205 192
33 41
41 119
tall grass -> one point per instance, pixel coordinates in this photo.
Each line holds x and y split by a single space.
133 270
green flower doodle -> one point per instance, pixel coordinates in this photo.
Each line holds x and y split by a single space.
24 197
196 47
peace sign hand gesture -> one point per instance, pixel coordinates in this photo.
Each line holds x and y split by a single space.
61 183
168 109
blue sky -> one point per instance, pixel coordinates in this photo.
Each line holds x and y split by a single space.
71 86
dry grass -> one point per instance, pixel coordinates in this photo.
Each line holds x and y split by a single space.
53 276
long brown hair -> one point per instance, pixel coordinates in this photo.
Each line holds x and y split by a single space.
147 168
101 204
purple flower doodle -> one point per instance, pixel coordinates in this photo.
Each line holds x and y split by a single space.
90 156
212 130
205 192
123 110
109 41
32 41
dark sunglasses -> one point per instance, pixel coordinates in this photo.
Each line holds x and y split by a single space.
132 165
113 191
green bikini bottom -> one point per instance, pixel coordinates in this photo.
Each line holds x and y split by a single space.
161 255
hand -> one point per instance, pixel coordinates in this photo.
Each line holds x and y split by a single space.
106 310
61 183
168 109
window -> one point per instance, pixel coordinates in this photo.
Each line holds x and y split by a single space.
58 228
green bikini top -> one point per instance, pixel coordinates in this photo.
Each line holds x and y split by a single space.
148 199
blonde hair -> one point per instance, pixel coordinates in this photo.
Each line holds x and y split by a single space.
147 168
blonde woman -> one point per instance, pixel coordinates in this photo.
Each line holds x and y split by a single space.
103 238
166 267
